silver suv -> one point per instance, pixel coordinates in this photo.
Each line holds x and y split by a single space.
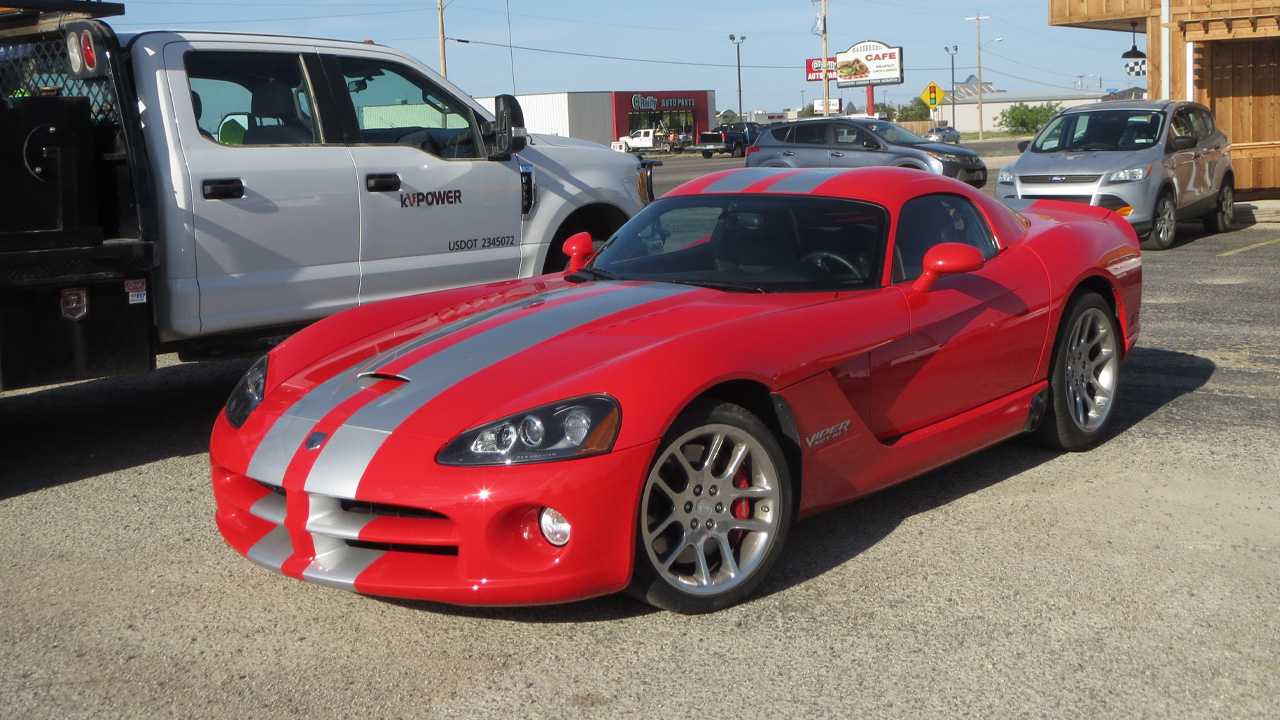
1155 162
860 142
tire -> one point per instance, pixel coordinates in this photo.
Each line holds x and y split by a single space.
706 154
1084 376
1224 209
1164 224
738 151
718 468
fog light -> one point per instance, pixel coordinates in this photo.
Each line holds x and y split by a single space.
554 527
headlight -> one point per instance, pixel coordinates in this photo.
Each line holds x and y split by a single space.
574 428
248 393
1130 175
1005 176
944 157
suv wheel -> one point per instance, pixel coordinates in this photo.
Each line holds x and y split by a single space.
1164 224
1224 210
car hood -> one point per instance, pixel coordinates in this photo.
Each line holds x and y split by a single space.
535 342
1097 162
947 148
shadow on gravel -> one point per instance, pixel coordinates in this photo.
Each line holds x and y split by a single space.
61 434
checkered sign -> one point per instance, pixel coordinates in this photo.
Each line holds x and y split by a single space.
1136 68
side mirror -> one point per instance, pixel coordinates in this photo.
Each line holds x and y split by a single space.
947 258
1184 142
509 135
1023 145
578 247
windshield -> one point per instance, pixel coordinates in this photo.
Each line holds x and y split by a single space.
893 133
1103 130
750 243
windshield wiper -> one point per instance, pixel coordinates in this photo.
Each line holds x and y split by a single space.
720 285
587 274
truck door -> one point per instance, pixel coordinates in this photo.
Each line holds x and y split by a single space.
434 211
273 192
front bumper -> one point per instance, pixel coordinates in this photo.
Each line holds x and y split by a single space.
1087 190
466 536
970 173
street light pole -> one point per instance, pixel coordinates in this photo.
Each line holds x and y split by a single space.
979 17
737 46
952 52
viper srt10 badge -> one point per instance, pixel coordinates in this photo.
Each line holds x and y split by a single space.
75 303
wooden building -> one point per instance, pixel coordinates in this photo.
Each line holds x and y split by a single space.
1222 53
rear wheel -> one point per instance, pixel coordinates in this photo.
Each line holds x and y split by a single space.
706 154
1164 224
738 151
1224 210
714 512
1084 375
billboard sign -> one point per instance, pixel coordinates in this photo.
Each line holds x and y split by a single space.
813 69
869 63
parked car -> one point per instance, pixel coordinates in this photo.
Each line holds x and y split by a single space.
861 142
1155 162
755 347
733 138
943 133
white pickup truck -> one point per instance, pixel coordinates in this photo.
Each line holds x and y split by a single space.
211 193
647 139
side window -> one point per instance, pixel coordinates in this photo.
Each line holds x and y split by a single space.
932 219
1182 124
783 134
811 134
394 105
252 98
1203 122
849 135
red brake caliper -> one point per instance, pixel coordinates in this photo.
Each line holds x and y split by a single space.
741 508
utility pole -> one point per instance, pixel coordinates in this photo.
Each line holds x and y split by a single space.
952 52
979 17
826 80
444 68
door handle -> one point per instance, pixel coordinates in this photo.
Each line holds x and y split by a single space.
224 189
836 154
787 153
382 182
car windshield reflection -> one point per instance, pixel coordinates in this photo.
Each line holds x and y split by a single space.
750 243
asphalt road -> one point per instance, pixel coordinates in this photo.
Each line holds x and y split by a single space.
1138 580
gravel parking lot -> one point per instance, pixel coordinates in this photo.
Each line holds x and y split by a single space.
1139 580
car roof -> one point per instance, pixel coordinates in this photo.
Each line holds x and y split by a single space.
1152 105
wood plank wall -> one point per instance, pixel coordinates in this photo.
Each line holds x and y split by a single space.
1240 81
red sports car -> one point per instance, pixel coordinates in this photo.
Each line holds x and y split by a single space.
753 348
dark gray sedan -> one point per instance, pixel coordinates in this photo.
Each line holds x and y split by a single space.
861 142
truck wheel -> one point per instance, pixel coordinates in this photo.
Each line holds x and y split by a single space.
738 151
706 154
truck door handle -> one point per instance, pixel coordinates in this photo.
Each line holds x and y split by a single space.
382 182
787 153
228 189
836 154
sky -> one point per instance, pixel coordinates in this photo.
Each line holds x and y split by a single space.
545 46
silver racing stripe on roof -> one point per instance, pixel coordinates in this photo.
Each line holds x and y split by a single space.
348 452
287 434
805 182
741 180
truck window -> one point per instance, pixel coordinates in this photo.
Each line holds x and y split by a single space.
252 98
394 105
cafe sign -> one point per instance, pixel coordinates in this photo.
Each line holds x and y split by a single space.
869 63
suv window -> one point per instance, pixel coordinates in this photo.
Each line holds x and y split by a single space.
252 98
933 219
1100 130
810 134
1202 121
1182 124
851 135
396 106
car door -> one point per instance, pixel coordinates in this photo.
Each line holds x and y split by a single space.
1187 171
273 201
808 146
851 146
974 338
1214 152
435 212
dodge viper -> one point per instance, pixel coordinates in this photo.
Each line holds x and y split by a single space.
753 348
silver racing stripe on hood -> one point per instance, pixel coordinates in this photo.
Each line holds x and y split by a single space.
349 450
287 434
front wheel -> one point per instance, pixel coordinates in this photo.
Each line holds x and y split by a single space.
1084 375
714 512
1164 224
1224 210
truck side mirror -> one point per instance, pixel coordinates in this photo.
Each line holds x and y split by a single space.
509 135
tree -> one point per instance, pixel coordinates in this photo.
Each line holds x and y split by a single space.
807 111
1025 119
917 110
